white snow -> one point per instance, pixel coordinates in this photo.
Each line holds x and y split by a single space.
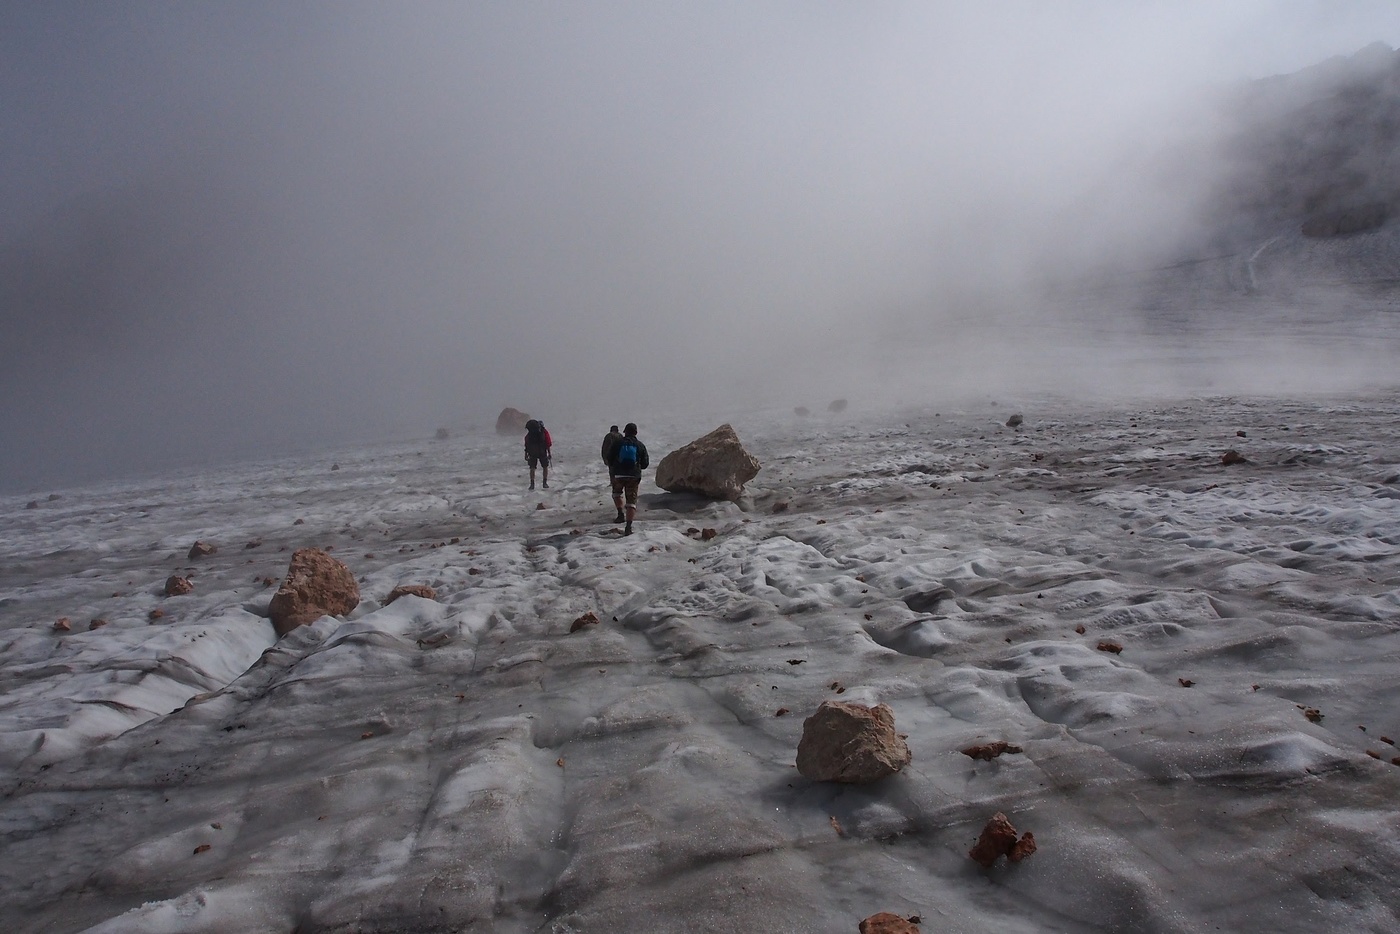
467 763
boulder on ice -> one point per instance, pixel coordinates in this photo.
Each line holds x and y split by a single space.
716 466
511 421
850 743
316 585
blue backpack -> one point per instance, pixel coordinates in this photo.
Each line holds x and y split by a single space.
626 453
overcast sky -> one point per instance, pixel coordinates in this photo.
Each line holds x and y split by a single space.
233 228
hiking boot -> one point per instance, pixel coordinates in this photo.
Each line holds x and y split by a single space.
545 484
628 530
532 486
620 517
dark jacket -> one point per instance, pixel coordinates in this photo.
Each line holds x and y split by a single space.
628 470
609 440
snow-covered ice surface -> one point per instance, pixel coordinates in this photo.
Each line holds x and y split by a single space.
468 764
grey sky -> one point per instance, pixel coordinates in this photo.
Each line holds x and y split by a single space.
228 229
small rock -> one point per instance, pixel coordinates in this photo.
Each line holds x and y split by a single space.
588 619
202 550
780 506
32 504
781 712
299 522
540 506
335 466
63 624
96 624
1080 629
1232 457
255 543
1240 434
176 586
1313 714
707 534
414 590
202 848
1107 646
1014 421
155 614
989 751
999 839
1185 682
887 923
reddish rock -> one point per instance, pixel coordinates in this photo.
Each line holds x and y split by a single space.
411 590
850 743
887 923
989 751
1232 457
316 585
780 506
707 534
155 614
176 586
202 550
999 839
1113 647
299 522
63 624
96 624
588 619
511 421
32 504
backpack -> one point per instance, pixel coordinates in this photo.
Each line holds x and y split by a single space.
625 452
536 437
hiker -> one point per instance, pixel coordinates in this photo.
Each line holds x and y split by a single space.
537 445
612 437
626 461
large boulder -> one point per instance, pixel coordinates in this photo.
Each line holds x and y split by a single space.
317 585
850 743
511 421
716 466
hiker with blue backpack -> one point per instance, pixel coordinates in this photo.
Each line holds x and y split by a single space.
626 460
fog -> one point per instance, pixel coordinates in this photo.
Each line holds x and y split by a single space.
233 229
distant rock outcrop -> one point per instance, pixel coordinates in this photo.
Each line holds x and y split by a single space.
511 421
411 590
802 411
202 550
851 743
316 585
837 405
716 466
1014 421
441 434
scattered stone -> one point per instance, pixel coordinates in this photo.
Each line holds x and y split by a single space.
1185 682
588 619
796 661
176 586
781 712
255 543
540 506
836 826
202 550
1240 434
780 506
1080 629
1014 421
1232 457
202 848
1387 740
96 624
707 534
299 522
511 421
999 839
367 734
850 743
335 466
989 751
1313 714
32 504
802 411
716 466
837 405
1113 647
411 590
441 434
155 614
316 585
887 923
63 624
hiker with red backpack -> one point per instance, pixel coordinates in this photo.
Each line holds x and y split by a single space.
537 449
626 460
